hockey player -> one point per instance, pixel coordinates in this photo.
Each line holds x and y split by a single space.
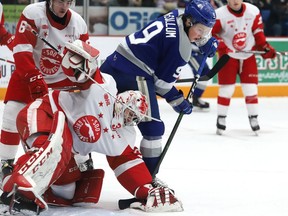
151 60
6 38
38 66
195 62
239 27
93 119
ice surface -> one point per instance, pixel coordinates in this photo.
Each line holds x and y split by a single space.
236 174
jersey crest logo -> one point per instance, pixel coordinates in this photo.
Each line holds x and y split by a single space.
88 129
50 61
239 41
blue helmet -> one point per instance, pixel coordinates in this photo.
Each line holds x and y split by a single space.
202 12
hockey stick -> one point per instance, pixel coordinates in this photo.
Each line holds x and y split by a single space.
6 60
260 52
29 28
125 203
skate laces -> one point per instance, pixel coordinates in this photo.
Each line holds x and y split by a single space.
161 194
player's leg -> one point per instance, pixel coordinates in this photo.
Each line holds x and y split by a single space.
152 131
75 188
10 139
226 80
249 83
195 62
134 176
45 160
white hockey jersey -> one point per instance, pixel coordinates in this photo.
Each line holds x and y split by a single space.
47 60
89 114
238 30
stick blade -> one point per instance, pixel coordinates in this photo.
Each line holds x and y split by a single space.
125 203
217 67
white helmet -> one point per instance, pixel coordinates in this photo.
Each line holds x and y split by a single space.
130 108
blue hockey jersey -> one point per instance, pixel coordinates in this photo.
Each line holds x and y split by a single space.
158 52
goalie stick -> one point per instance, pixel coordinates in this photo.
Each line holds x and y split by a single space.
125 203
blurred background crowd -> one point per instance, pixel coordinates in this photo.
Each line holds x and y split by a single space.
275 16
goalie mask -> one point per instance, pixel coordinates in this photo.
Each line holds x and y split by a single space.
80 61
130 108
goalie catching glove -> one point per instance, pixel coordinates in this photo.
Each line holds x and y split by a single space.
159 199
79 61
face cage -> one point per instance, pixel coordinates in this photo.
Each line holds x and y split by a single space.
131 118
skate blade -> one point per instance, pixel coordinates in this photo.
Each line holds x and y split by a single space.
256 132
219 131
198 109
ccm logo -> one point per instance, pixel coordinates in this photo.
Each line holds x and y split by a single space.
32 160
34 78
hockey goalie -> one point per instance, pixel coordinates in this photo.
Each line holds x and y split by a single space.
61 125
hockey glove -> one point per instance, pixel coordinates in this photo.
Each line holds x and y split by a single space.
7 39
210 47
36 84
270 52
176 100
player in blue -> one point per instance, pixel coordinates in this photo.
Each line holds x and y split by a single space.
150 60
195 62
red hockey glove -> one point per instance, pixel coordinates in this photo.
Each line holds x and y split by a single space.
36 85
270 51
7 40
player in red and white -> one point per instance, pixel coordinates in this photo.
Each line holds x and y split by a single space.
38 66
63 124
6 38
239 27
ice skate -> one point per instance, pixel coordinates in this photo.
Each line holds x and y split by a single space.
221 124
18 203
199 104
6 169
254 123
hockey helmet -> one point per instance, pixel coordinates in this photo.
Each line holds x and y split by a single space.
201 11
130 108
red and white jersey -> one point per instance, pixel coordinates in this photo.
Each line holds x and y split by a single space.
239 31
1 13
89 115
30 51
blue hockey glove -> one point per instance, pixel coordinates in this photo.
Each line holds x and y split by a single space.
210 47
177 101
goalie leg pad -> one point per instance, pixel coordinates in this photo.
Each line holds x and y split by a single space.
88 188
35 171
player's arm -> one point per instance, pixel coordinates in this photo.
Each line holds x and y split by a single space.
24 44
6 38
260 38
